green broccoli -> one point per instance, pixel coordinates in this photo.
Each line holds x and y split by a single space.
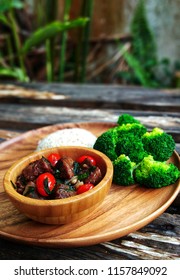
159 144
155 174
126 118
131 146
106 143
134 128
123 171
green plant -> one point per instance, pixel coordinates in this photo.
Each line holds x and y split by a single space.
15 73
67 7
45 35
143 44
87 10
142 59
81 50
7 18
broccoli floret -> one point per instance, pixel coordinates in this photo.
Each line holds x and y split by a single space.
131 146
123 171
159 144
134 128
155 174
126 118
106 143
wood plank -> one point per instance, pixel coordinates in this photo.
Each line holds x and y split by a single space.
92 96
46 115
19 117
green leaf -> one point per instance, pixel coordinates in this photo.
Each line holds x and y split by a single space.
14 185
6 5
83 176
16 73
71 188
46 186
143 43
28 190
138 70
76 168
4 20
18 4
49 31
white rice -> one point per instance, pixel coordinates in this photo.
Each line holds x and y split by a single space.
67 137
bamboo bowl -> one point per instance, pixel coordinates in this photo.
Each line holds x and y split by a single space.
66 210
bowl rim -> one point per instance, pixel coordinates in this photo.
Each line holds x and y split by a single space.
12 193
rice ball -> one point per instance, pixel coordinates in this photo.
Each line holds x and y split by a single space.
67 137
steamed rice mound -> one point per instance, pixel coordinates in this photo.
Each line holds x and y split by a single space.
67 137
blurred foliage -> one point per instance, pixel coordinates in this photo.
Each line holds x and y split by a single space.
18 46
36 45
16 73
6 5
49 31
142 59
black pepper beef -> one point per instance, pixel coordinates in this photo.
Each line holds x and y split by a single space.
95 175
20 184
66 167
63 191
86 164
31 172
31 191
34 169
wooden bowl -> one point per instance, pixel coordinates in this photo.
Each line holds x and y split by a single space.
66 210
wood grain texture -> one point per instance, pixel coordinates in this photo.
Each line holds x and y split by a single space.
22 118
91 96
158 240
124 210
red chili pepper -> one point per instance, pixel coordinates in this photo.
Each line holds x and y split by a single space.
45 183
82 158
53 158
84 188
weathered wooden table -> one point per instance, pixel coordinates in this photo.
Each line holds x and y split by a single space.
25 107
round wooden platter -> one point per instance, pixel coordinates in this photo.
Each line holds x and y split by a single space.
124 210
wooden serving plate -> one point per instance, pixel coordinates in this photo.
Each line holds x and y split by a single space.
124 210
